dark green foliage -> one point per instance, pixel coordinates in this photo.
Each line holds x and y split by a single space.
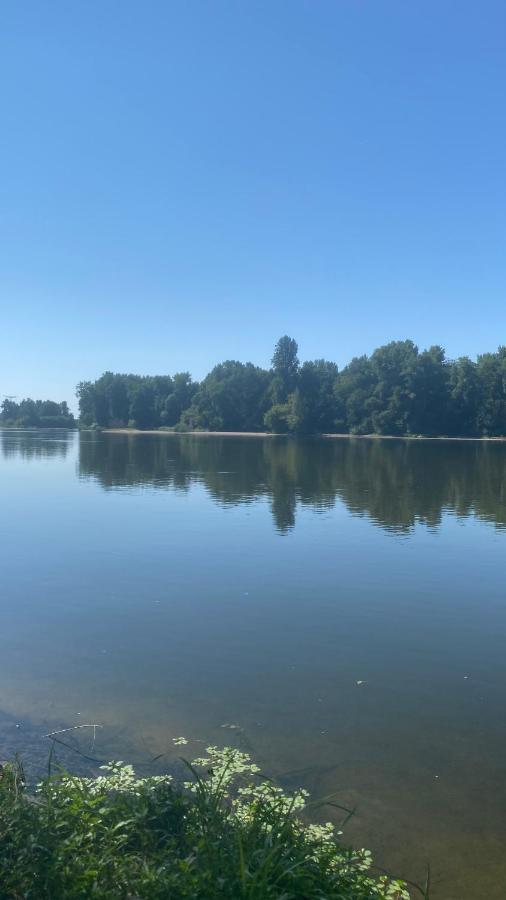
398 390
491 371
122 837
353 393
116 400
178 399
36 414
278 418
285 365
233 397
315 406
463 396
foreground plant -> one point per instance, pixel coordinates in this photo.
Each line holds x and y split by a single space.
225 834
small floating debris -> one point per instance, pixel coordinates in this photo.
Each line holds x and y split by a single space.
229 725
361 682
179 741
466 676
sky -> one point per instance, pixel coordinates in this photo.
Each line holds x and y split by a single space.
183 182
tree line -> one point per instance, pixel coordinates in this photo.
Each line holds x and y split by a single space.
398 390
35 414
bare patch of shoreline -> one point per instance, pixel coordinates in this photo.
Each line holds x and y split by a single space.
269 434
197 433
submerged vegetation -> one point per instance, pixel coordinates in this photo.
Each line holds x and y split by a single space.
225 833
398 390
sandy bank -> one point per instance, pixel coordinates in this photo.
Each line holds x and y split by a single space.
349 437
197 433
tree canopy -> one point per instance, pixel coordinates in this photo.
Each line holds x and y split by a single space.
135 400
397 390
35 414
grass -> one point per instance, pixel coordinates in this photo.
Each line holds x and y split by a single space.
225 833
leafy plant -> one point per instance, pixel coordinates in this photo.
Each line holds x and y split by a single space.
225 833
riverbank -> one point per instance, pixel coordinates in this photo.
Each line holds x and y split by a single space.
35 428
345 436
223 834
166 431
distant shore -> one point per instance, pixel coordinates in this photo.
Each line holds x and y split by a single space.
269 434
200 433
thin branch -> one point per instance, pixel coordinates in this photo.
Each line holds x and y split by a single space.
72 728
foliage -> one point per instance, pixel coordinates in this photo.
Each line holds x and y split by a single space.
285 366
36 414
233 397
140 401
227 835
279 417
315 411
398 390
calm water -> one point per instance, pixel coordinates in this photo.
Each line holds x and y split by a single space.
163 585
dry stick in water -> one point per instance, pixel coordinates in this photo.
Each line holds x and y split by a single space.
74 728
52 736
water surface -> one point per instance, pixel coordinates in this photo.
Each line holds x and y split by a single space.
166 585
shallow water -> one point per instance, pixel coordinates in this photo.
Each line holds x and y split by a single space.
165 585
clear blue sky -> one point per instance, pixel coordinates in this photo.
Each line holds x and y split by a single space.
182 182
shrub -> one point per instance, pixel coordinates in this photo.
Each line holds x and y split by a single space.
225 834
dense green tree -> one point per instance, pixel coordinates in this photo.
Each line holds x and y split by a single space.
315 406
143 412
148 402
464 396
392 399
30 413
398 390
353 391
285 366
119 408
430 393
9 410
85 393
233 397
279 418
179 399
491 416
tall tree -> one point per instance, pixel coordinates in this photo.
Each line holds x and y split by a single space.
316 406
464 396
285 366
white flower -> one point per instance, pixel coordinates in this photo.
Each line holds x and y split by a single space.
121 778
